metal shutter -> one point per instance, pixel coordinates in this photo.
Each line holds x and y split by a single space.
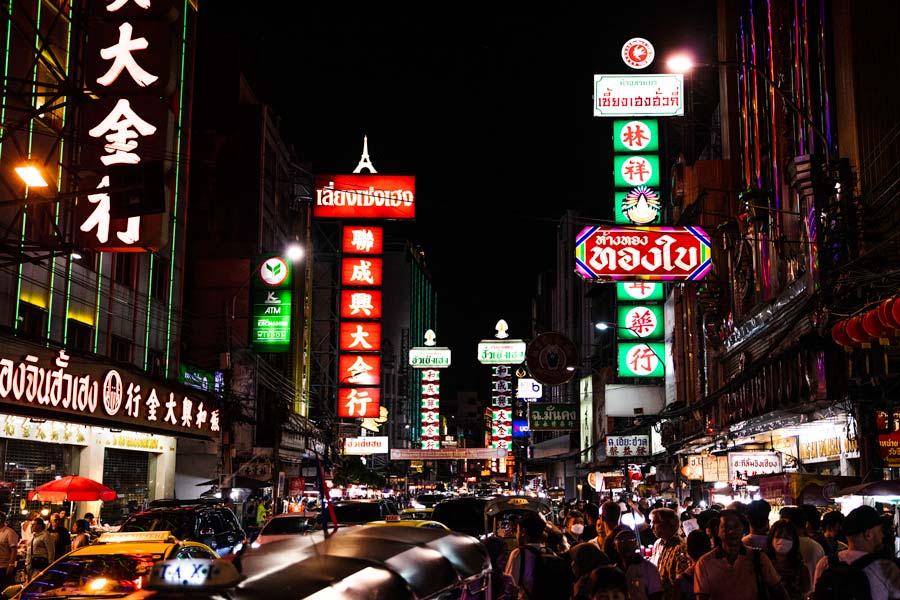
27 465
125 471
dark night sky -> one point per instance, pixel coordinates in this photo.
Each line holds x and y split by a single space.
489 107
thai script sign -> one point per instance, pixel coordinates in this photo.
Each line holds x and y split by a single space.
365 197
889 447
508 352
433 358
271 305
693 470
448 454
553 417
639 95
60 386
658 253
360 446
746 464
627 445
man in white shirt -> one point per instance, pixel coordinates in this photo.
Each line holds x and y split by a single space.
864 535
9 541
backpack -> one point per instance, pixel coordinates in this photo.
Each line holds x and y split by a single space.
552 574
846 581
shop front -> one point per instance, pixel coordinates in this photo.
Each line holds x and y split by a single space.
63 415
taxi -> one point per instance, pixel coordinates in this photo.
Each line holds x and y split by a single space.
117 564
398 520
416 514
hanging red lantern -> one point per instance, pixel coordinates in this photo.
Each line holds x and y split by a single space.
636 476
885 315
872 325
895 311
856 332
839 334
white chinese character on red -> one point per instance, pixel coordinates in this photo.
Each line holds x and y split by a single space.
120 54
357 402
214 420
361 302
187 408
201 416
358 372
363 272
363 239
170 413
359 338
133 403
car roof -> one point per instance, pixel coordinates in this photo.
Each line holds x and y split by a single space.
502 503
410 523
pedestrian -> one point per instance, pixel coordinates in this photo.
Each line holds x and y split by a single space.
669 554
585 558
261 513
574 528
641 575
730 571
608 526
758 518
814 525
697 544
521 563
503 587
41 550
82 534
810 549
783 549
9 542
89 517
832 528
864 535
591 514
61 537
26 526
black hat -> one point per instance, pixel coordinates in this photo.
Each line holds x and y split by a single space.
860 519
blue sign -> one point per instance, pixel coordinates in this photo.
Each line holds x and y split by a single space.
520 429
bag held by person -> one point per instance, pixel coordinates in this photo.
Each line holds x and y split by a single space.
552 574
844 581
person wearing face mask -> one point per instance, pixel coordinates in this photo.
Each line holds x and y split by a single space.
783 549
574 528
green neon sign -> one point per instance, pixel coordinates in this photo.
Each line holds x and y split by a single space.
641 360
270 305
640 322
635 135
638 291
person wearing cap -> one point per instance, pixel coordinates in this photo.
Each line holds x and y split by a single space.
864 534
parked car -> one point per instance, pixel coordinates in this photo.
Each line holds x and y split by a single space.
288 525
116 565
464 514
212 524
416 513
427 500
355 512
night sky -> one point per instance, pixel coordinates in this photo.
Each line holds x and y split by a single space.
489 108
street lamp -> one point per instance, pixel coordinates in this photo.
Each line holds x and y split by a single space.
31 175
682 63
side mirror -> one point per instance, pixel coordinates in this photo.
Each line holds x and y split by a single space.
12 590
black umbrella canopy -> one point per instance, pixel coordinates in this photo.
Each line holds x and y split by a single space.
240 481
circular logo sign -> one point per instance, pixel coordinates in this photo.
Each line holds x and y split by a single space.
273 271
112 393
638 53
552 359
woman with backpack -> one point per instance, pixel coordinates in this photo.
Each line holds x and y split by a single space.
783 549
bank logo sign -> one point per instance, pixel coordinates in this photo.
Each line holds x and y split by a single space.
271 302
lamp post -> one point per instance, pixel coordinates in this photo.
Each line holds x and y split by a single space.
682 63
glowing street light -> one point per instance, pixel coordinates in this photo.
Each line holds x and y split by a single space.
294 252
32 176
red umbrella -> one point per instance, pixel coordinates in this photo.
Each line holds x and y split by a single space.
72 488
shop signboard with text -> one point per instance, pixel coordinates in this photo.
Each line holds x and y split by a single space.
742 465
363 446
42 383
271 304
627 445
359 196
660 95
547 416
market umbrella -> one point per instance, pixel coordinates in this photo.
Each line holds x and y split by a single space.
72 488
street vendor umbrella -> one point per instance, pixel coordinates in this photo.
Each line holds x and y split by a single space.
72 488
873 488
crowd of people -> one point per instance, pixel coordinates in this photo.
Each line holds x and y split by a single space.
637 551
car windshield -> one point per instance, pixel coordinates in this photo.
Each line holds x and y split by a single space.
288 525
465 515
102 575
362 512
182 524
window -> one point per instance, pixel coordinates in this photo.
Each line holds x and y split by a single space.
159 279
80 336
32 320
120 349
156 363
124 268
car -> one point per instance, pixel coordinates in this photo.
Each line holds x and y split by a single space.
416 513
464 514
116 565
396 520
502 514
213 524
355 512
287 525
427 500
366 561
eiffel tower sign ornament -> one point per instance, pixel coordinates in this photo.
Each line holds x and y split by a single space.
364 161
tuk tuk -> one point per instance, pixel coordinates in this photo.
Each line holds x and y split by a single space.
501 515
390 563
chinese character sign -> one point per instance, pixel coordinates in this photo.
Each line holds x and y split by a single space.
360 336
627 445
362 271
630 291
431 409
359 402
640 321
641 359
362 239
636 136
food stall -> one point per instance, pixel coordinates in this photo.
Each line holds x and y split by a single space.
793 489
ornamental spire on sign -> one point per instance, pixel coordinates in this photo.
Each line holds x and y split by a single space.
501 328
364 161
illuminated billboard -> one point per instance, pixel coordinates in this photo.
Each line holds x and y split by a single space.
365 197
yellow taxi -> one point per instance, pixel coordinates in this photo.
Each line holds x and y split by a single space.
117 564
416 514
396 520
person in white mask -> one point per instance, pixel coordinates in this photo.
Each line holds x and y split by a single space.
574 528
783 549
